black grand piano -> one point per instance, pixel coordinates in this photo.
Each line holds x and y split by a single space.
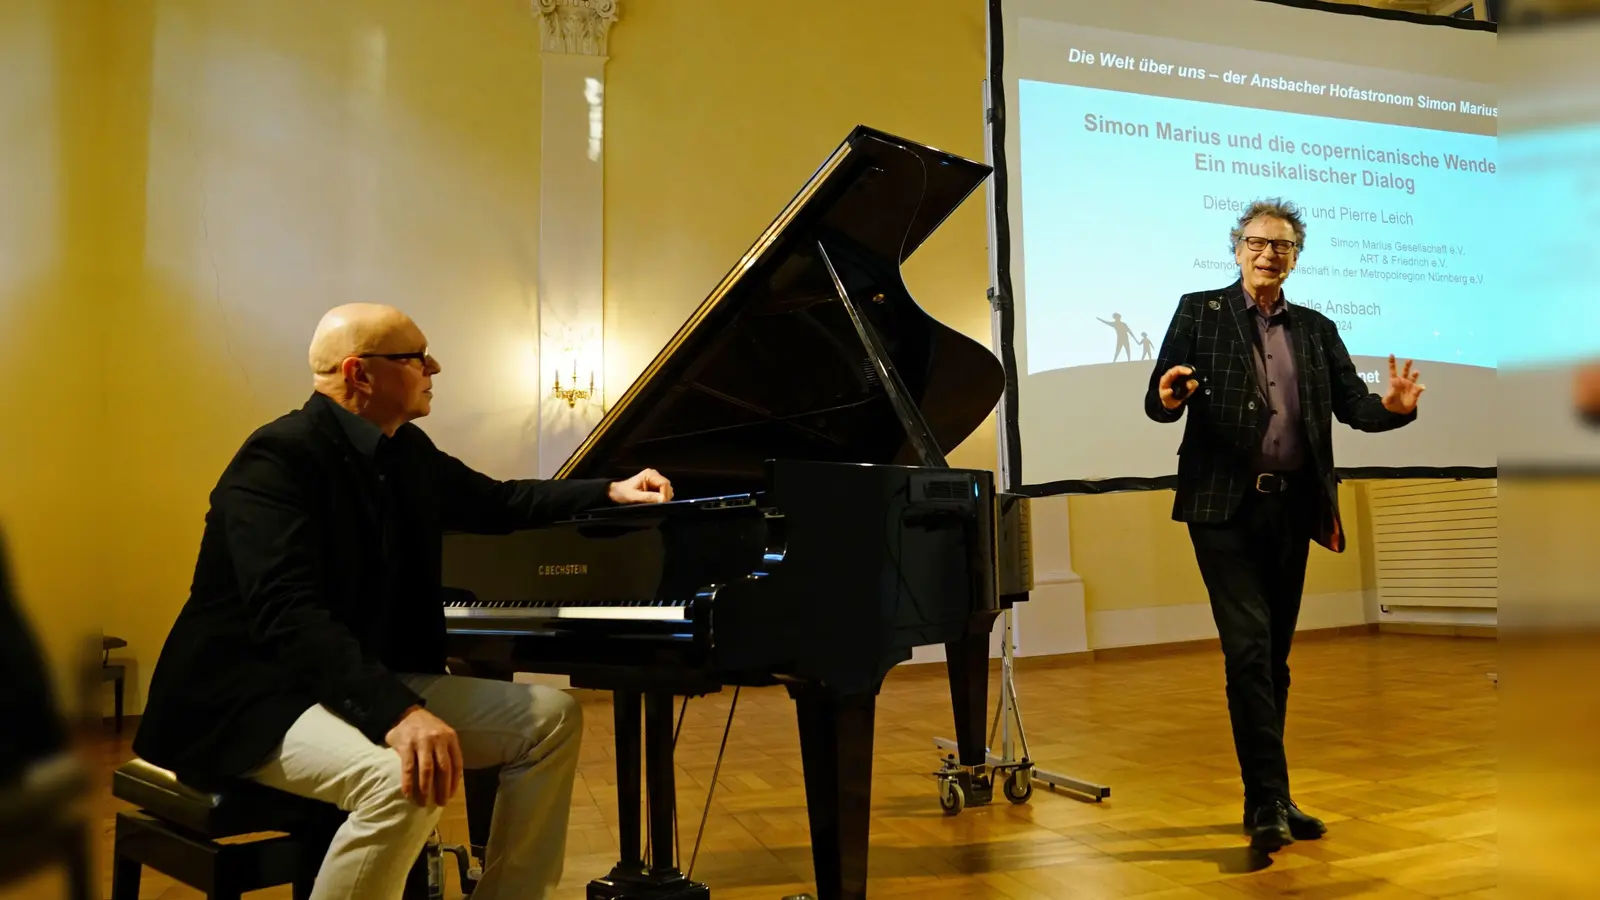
803 413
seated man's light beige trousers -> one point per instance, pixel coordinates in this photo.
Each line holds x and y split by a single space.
531 730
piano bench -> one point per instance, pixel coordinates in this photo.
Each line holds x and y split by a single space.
187 833
184 832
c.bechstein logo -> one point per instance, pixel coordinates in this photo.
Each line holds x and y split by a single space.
568 569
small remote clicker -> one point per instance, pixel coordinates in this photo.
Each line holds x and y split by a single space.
1180 385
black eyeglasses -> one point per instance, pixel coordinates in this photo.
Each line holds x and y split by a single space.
1280 247
419 355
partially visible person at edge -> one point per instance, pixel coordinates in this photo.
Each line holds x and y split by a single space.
310 654
1262 379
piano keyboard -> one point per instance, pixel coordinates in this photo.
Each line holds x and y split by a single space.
556 611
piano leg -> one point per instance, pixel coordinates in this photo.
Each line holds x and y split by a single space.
630 880
836 750
626 713
662 785
968 663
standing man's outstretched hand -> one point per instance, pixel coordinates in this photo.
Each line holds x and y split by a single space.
648 486
1404 390
1169 400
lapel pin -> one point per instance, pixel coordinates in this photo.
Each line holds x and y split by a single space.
1214 305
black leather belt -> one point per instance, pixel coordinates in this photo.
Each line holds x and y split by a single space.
1272 482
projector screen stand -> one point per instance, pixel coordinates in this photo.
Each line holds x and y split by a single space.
961 785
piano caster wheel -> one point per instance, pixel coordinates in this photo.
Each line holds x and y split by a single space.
951 797
962 786
1019 786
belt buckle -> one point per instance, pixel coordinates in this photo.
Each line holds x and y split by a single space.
1264 475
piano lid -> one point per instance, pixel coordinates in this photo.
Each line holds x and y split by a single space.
771 366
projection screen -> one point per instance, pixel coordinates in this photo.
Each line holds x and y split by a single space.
1128 138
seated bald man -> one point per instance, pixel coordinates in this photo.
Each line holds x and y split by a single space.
310 654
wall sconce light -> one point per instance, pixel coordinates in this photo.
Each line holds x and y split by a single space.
573 393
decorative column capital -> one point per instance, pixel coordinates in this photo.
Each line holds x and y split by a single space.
575 26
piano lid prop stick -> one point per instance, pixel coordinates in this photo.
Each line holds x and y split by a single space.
917 430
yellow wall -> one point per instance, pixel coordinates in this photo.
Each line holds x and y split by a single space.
209 175
274 160
719 110
1131 554
50 365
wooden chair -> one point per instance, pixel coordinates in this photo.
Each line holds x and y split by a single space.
116 673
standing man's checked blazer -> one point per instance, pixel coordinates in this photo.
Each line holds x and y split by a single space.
1212 331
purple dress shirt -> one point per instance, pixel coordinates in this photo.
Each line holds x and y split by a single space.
1282 444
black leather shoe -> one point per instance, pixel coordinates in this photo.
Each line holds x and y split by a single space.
1303 826
1269 828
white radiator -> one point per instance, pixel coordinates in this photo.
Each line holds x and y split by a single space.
1436 543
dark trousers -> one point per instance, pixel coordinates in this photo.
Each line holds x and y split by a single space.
1254 567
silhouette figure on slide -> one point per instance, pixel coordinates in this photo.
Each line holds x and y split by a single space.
1124 333
1145 345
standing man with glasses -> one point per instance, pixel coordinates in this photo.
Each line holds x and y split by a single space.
1262 379
310 654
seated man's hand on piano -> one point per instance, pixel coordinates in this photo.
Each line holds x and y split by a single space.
648 486
430 756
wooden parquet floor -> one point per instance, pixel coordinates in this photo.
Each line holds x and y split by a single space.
1391 741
